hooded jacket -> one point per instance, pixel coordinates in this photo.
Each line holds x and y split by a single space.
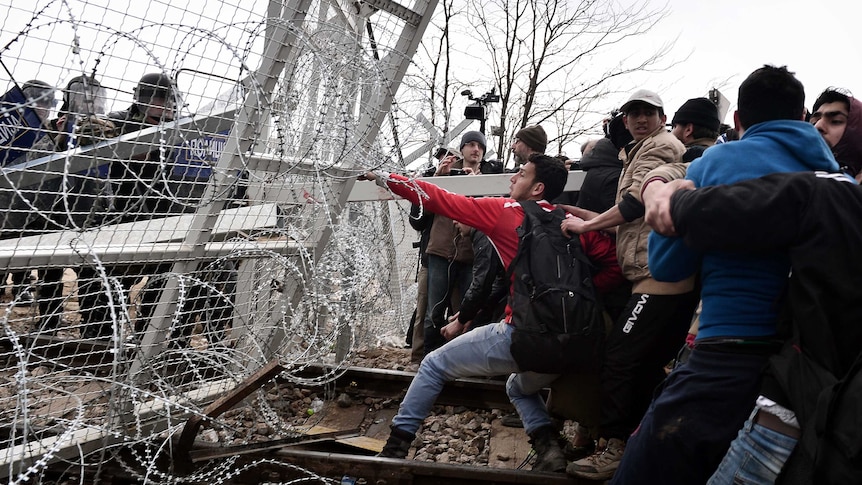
848 150
740 292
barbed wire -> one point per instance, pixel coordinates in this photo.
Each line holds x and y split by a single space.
158 253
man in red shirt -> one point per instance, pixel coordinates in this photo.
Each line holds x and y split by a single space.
485 350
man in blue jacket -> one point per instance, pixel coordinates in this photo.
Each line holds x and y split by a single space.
691 422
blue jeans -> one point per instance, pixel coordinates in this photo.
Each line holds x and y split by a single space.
756 456
480 352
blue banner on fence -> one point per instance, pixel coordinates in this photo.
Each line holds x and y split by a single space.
195 158
19 126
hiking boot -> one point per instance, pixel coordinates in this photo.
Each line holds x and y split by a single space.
549 456
511 421
602 464
398 444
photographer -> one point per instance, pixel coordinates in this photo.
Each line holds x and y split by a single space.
450 256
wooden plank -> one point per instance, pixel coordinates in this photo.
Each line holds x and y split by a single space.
84 395
363 442
509 446
88 439
182 459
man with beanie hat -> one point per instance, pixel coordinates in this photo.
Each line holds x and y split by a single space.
450 256
696 125
528 140
473 148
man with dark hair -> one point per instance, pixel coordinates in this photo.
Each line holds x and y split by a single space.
767 94
691 422
485 351
838 117
814 217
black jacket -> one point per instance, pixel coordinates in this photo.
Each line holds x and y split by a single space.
485 299
603 167
816 218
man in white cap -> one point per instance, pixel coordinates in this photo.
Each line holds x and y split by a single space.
654 322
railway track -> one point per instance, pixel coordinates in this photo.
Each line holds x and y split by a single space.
343 441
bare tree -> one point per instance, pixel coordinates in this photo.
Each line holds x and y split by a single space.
431 87
544 56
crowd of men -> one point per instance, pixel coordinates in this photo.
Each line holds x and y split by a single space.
735 245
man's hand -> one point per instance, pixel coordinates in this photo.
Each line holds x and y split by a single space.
463 229
367 176
93 129
572 226
446 165
656 197
454 328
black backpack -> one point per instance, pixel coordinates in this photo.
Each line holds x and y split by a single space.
558 323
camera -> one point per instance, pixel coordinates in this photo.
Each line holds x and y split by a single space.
477 111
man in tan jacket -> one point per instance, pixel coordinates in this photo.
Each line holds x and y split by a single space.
654 323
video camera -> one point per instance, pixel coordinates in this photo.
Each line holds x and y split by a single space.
476 111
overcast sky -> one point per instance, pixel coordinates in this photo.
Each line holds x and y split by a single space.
819 40
717 45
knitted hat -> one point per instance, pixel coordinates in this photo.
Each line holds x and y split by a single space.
534 137
476 136
643 96
700 111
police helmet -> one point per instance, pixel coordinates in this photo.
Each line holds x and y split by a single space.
79 85
154 85
40 92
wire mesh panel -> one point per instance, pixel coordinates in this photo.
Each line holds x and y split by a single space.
175 181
